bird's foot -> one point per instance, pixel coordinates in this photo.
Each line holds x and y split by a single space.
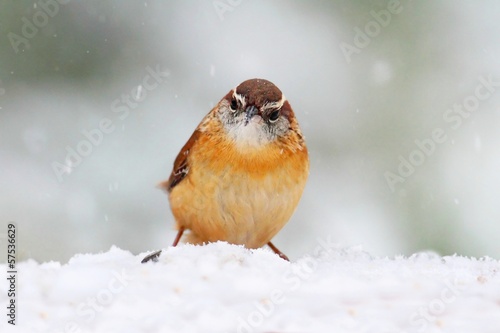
151 257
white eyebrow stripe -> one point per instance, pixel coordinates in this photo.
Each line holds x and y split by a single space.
275 105
239 98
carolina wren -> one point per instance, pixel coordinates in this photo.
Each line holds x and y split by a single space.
242 172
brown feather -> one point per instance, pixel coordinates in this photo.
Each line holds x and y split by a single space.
181 165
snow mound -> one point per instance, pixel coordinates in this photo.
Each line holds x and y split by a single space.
226 288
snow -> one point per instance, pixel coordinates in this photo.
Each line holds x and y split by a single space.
226 288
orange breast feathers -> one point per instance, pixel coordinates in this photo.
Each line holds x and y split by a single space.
239 197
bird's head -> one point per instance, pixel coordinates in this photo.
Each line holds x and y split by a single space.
256 113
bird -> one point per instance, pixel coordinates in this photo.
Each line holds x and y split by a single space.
241 174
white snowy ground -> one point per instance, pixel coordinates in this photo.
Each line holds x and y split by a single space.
226 288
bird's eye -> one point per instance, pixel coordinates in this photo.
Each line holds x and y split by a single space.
274 116
234 105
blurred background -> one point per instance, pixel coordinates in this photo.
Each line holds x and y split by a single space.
399 103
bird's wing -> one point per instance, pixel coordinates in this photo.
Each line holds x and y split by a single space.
181 165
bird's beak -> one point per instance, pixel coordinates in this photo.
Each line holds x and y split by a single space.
250 112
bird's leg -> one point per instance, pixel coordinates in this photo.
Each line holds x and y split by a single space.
278 252
178 237
154 256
